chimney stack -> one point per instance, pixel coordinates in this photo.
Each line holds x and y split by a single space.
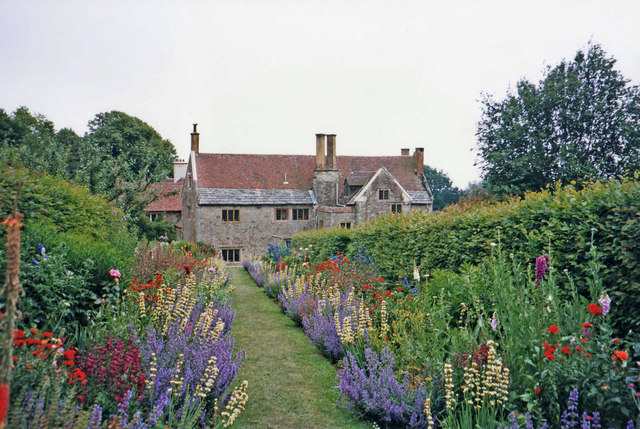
404 152
331 152
320 151
418 155
195 139
179 169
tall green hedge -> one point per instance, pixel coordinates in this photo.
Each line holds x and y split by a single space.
560 221
69 206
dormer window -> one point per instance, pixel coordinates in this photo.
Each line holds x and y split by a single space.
383 194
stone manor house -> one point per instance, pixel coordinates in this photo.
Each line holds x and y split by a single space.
242 203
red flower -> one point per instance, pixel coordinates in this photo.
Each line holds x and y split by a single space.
537 390
617 340
587 325
594 309
584 340
380 279
587 354
399 289
18 334
4 402
579 349
33 331
620 355
547 346
549 354
566 350
47 335
553 329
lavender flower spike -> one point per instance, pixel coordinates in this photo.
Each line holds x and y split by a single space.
605 304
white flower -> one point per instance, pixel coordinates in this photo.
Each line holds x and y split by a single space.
492 244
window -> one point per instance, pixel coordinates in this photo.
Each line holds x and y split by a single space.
345 225
154 216
300 214
287 242
383 194
282 214
396 208
231 255
230 215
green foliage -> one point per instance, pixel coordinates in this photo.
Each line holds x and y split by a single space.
562 222
84 238
582 120
444 193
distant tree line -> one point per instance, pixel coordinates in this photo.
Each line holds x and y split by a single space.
119 157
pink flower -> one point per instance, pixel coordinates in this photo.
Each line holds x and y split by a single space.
115 273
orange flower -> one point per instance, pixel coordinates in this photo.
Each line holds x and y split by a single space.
620 355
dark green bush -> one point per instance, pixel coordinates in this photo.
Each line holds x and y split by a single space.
561 221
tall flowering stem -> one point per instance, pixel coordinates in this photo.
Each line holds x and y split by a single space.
12 288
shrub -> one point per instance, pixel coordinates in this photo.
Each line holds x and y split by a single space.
562 219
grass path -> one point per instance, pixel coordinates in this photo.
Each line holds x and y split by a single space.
290 383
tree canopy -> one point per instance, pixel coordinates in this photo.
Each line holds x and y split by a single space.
581 121
119 157
444 193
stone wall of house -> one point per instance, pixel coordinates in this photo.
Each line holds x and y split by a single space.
256 230
328 220
325 186
374 207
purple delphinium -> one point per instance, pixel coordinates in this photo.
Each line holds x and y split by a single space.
373 391
541 267
590 422
570 415
514 424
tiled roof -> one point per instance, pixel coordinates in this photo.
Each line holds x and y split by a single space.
359 178
420 197
170 203
241 171
246 197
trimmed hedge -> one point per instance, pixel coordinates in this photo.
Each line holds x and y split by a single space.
561 221
71 207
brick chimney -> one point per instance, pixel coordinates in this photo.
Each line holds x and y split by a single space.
195 139
320 151
404 152
418 155
331 152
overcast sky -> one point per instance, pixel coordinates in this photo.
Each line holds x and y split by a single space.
265 76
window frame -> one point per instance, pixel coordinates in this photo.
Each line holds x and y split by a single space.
396 208
383 194
279 211
234 252
235 215
295 212
345 225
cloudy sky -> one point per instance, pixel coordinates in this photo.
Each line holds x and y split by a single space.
265 76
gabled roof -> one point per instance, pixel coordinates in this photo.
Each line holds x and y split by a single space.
359 178
381 171
241 171
170 196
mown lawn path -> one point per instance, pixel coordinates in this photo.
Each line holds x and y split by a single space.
290 383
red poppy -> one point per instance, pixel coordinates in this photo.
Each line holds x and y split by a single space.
537 390
579 349
587 325
566 350
553 329
18 333
380 279
399 289
620 355
583 340
617 340
547 346
594 309
33 331
47 335
549 354
587 354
